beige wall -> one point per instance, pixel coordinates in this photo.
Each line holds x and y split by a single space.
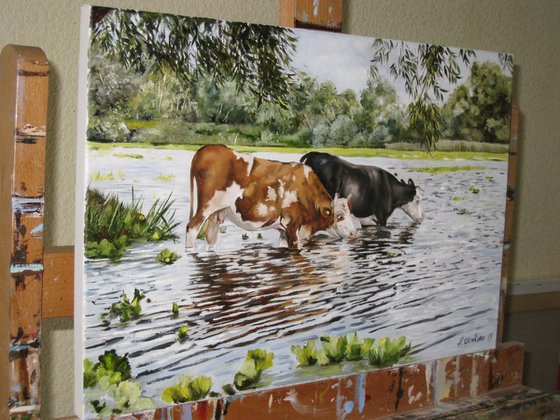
528 29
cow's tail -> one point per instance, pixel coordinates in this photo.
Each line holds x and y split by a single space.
192 194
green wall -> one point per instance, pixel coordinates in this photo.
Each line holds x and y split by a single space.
530 30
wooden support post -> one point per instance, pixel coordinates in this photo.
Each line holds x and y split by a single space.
314 14
23 119
508 227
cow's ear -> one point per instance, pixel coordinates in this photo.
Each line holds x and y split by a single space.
410 182
326 211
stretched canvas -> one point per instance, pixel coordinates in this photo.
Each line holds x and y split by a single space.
261 206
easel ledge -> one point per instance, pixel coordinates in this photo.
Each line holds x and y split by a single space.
38 283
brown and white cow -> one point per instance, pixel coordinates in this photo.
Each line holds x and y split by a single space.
257 194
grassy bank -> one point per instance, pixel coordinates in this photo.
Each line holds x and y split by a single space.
346 152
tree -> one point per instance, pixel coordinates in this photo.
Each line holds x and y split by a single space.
381 117
480 109
257 58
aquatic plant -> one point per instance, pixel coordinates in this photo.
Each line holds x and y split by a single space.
473 189
107 249
98 176
167 257
334 349
107 382
110 368
165 177
388 352
357 348
126 309
249 375
306 355
182 332
111 226
129 155
188 389
352 348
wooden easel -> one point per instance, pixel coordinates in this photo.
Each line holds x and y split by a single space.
37 282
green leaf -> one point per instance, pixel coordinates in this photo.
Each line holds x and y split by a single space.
334 347
200 387
187 389
167 257
229 389
112 362
306 355
90 375
175 310
256 361
127 394
182 332
106 248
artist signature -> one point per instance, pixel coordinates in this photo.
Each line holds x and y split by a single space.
475 338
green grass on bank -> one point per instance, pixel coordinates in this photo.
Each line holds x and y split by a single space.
444 169
339 151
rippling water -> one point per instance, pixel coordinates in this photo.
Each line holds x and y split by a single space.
434 283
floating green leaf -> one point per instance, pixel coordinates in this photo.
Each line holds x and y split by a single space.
188 389
125 309
334 348
175 310
387 352
111 369
473 189
167 257
182 332
306 355
250 372
229 389
356 348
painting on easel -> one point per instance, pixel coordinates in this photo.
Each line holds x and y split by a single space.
263 206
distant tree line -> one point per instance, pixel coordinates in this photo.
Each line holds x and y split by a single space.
208 73
313 113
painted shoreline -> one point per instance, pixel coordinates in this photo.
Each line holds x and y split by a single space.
434 155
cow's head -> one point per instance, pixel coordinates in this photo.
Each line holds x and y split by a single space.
342 225
413 208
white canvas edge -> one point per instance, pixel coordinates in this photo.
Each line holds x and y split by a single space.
82 115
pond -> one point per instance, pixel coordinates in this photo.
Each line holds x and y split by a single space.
436 283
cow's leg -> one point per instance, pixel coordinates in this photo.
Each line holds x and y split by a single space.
213 227
193 227
292 237
368 221
283 242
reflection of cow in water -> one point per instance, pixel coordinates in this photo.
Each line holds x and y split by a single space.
257 194
373 193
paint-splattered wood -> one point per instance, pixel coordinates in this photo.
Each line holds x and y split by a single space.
23 119
315 14
430 386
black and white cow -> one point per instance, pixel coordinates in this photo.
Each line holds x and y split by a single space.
373 193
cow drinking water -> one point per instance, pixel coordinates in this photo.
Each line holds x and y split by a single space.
257 194
373 193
